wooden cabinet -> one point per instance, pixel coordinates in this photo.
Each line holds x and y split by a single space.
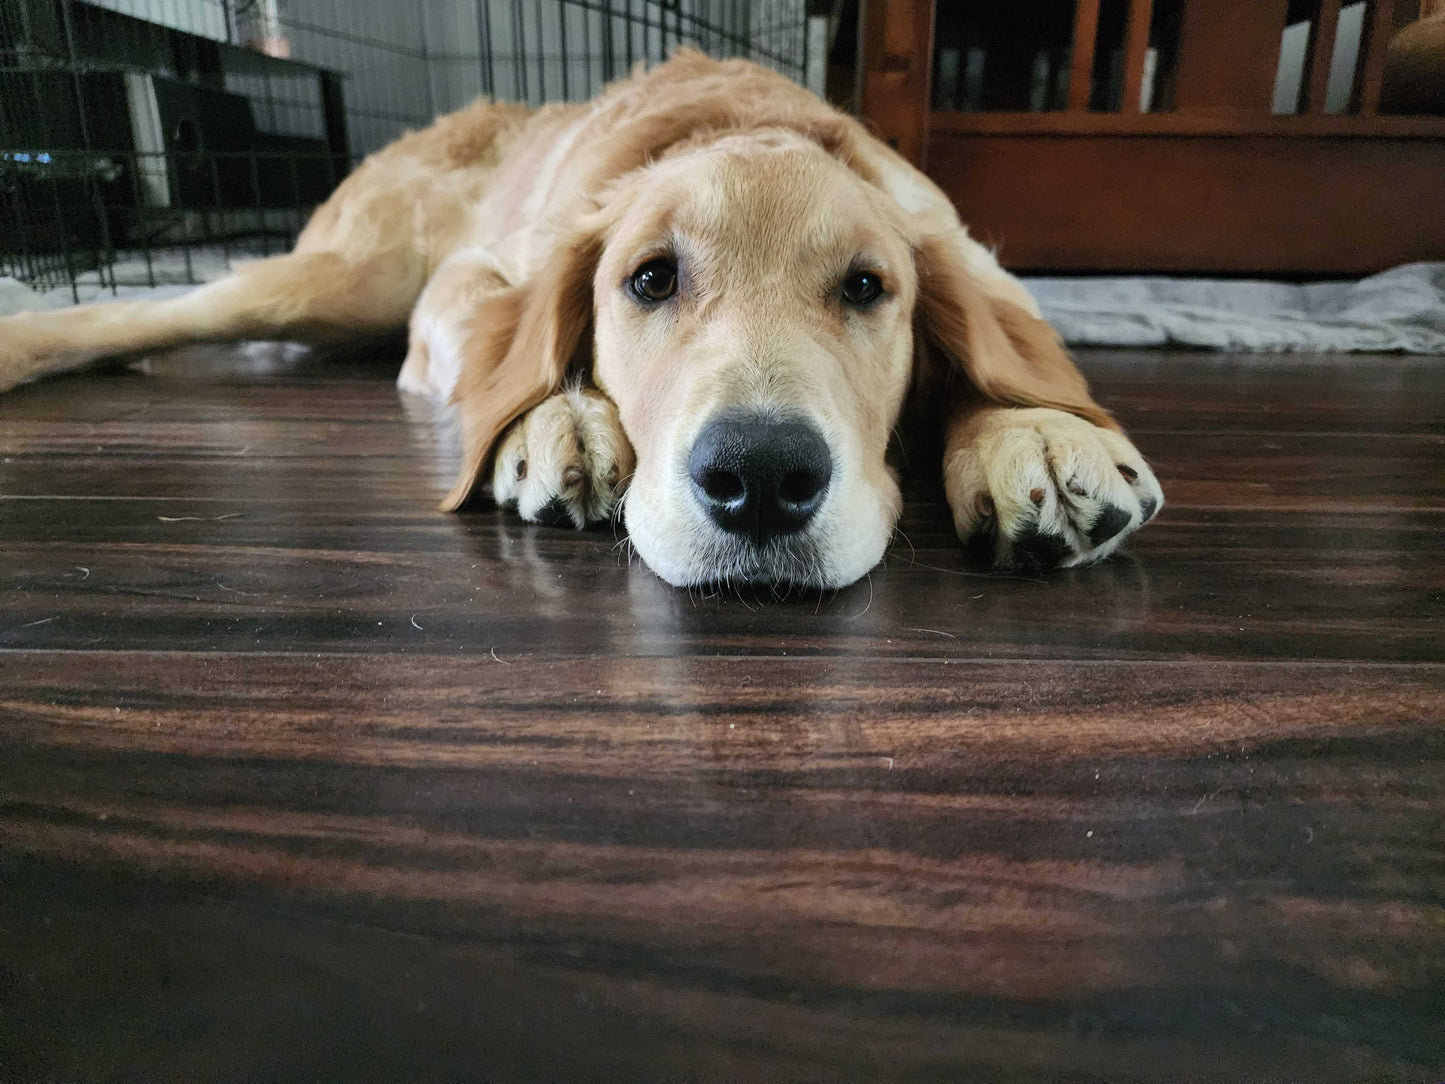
1150 140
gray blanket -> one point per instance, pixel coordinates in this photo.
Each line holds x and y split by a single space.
1402 309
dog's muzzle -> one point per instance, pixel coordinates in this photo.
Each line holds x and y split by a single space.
758 477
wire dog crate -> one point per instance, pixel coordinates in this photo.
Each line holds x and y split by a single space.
150 142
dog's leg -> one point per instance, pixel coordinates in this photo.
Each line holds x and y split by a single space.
565 461
1041 488
443 323
308 297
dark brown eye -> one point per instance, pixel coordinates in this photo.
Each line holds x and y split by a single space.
654 281
862 288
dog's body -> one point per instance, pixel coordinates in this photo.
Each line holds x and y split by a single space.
753 266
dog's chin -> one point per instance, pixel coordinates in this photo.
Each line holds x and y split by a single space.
705 557
739 563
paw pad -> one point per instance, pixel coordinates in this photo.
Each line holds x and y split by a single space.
1110 522
1037 551
555 513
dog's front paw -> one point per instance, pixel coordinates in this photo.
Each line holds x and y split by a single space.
566 461
1039 488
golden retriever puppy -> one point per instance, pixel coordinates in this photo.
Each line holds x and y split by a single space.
705 295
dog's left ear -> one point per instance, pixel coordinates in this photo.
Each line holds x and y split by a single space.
520 344
1008 355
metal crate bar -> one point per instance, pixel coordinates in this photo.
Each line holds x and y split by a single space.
89 201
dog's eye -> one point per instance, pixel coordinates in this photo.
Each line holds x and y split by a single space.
654 281
862 288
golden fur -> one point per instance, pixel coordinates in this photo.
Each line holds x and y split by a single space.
500 236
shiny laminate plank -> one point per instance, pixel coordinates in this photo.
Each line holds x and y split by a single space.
300 778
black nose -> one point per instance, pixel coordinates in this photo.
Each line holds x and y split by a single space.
759 477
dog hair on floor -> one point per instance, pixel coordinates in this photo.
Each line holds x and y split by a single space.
706 295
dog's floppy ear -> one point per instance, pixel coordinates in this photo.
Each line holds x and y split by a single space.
519 345
1008 354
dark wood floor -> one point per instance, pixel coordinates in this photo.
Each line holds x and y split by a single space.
300 779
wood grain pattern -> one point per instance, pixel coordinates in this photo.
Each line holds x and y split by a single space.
1193 123
1136 44
1370 67
301 779
897 65
1081 54
1228 54
1151 200
1322 47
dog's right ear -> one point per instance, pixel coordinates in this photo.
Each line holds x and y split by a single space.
1007 355
520 344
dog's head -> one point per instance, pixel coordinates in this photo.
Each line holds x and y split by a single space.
760 309
753 308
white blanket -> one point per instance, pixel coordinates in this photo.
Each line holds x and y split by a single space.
1402 309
